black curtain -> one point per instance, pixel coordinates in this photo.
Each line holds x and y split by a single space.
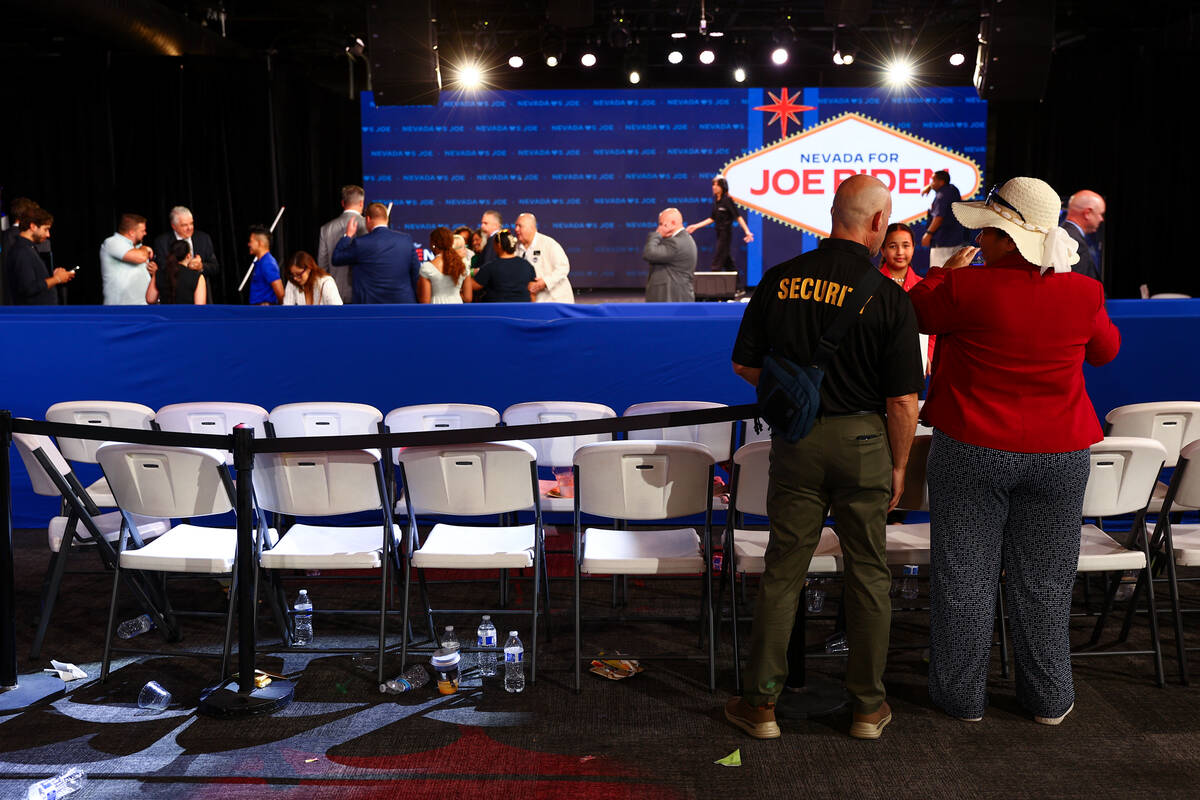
231 139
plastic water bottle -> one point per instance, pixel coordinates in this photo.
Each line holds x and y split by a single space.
414 677
514 664
485 639
815 596
304 626
135 627
58 786
908 586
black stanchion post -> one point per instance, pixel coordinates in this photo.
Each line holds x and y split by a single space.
8 607
239 696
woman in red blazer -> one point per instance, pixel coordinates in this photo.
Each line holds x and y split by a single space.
1009 461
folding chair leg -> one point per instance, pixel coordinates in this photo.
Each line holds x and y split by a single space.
733 626
58 565
1002 624
108 629
383 605
708 607
425 599
406 631
578 628
537 588
1131 607
545 566
1110 593
1158 661
1176 612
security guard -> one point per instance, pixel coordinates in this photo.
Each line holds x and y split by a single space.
852 460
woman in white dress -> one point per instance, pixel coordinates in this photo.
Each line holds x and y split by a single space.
443 280
308 284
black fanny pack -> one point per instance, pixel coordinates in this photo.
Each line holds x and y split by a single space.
789 394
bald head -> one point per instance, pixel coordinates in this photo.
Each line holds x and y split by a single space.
669 221
860 212
1086 209
526 228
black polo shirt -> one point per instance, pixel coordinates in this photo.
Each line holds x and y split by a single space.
797 301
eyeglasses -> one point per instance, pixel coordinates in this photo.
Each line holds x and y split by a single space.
994 197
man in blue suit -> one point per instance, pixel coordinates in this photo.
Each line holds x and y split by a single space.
384 261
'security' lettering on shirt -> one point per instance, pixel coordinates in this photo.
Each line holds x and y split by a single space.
815 289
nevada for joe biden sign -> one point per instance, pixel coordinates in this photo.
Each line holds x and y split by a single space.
793 180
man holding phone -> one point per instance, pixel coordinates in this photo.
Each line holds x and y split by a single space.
30 283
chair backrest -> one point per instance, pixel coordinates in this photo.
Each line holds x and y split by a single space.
440 416
1188 492
644 480
470 480
26 444
1123 473
325 419
753 462
715 436
218 419
318 484
559 451
1172 423
750 437
106 413
165 481
915 496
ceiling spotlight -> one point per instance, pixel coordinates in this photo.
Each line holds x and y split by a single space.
739 75
635 76
675 57
837 58
707 56
679 35
551 61
516 62
899 73
779 55
588 59
843 59
715 34
470 76
957 60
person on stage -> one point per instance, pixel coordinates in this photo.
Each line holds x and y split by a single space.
549 261
898 248
385 264
444 280
29 282
124 263
671 253
506 278
266 287
173 283
204 256
308 284
724 212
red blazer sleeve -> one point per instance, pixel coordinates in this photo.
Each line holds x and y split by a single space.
934 301
1105 340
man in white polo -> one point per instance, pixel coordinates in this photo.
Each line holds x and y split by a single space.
549 261
123 260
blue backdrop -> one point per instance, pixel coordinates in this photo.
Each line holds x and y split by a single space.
389 356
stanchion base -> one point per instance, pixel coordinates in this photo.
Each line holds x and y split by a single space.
820 697
30 689
224 699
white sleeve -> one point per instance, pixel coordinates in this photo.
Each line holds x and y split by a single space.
558 266
329 293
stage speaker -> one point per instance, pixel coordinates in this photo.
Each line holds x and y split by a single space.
716 285
403 53
1016 39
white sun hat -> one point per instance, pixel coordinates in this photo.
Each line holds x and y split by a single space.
1027 210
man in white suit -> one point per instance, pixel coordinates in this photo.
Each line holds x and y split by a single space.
549 261
334 230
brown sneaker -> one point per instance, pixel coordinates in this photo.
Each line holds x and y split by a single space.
758 721
870 726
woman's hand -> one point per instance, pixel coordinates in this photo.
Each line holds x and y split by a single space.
692 228
748 238
961 259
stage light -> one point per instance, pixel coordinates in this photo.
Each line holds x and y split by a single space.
847 59
588 59
635 77
899 72
837 58
716 34
679 35
707 56
779 55
739 75
516 62
470 76
551 61
675 57
957 60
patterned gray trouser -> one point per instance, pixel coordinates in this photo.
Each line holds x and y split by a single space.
992 508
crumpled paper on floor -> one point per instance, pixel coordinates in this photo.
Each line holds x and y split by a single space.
68 672
734 759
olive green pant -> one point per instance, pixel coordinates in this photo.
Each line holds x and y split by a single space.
844 463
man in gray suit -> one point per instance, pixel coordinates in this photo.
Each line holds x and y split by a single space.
333 231
671 253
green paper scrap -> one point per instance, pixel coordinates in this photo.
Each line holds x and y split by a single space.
734 759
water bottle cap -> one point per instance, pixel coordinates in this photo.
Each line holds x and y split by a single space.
512 633
304 591
445 658
487 617
449 627
911 569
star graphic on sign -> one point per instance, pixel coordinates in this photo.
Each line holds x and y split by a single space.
783 108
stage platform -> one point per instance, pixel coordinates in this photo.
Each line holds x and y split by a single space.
389 356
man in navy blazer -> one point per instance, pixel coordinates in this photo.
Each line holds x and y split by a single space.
1085 212
385 264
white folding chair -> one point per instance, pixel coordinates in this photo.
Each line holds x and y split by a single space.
437 417
82 525
216 418
745 549
328 484
908 543
1174 424
559 451
1121 480
644 481
103 413
175 483
1180 544
496 478
324 419
716 436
